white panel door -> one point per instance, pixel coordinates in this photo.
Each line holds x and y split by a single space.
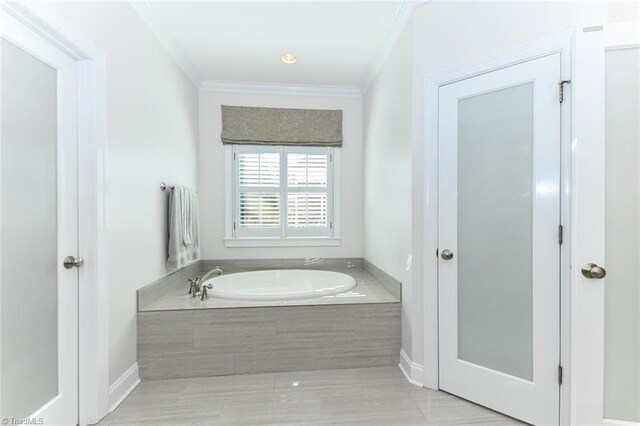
39 228
605 328
499 264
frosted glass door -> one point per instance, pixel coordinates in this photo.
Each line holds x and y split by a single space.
499 211
605 331
622 235
38 228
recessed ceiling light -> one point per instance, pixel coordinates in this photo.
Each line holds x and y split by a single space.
289 58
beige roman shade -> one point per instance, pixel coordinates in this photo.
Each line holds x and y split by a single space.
281 126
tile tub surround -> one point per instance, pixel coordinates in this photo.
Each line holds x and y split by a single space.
157 289
212 342
230 266
391 284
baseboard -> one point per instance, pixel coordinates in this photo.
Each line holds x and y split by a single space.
123 387
620 422
412 371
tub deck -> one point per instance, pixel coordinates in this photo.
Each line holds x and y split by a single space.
367 290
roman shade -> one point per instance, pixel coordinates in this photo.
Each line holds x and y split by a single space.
281 126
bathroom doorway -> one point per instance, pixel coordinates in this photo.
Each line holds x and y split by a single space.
499 238
53 211
39 229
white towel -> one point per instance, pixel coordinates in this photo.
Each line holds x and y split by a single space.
184 244
187 222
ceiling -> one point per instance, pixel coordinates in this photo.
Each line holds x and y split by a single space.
337 42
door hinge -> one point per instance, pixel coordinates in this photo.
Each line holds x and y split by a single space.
330 225
234 156
560 234
561 84
234 225
437 252
559 374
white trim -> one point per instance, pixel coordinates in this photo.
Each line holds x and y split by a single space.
412 371
395 27
153 21
229 192
560 43
283 242
620 422
93 200
225 86
122 387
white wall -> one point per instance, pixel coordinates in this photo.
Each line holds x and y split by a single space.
152 137
212 176
387 171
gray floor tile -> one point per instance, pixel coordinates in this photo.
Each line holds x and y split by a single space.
360 396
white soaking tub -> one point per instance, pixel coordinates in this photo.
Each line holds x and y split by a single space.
280 284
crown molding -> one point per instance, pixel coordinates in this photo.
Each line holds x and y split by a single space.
399 20
401 16
224 86
153 21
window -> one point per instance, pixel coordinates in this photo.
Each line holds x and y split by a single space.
282 192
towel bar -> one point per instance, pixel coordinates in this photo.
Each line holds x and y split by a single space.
164 186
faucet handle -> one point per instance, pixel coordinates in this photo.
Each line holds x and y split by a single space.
192 286
204 295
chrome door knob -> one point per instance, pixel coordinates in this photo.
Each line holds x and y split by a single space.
72 262
591 270
447 254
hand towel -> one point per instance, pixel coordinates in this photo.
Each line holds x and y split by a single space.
184 246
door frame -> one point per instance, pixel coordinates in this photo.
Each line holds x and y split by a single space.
561 43
93 311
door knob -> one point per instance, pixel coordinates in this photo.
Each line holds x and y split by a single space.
72 262
447 254
591 270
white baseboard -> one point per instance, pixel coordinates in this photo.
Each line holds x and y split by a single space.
412 371
123 387
620 422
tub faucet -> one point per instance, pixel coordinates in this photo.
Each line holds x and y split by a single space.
215 270
198 283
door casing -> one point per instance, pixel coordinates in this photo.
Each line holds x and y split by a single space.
558 44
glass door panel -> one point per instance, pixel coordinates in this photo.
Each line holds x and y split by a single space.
622 235
495 225
29 233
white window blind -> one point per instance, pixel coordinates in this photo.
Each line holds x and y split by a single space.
283 191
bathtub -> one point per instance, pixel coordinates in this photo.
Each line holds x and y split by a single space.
280 284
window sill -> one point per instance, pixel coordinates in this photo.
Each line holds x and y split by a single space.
283 242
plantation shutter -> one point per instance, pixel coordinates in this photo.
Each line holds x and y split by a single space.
258 193
307 183
283 191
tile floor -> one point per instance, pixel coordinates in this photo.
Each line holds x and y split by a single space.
359 396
